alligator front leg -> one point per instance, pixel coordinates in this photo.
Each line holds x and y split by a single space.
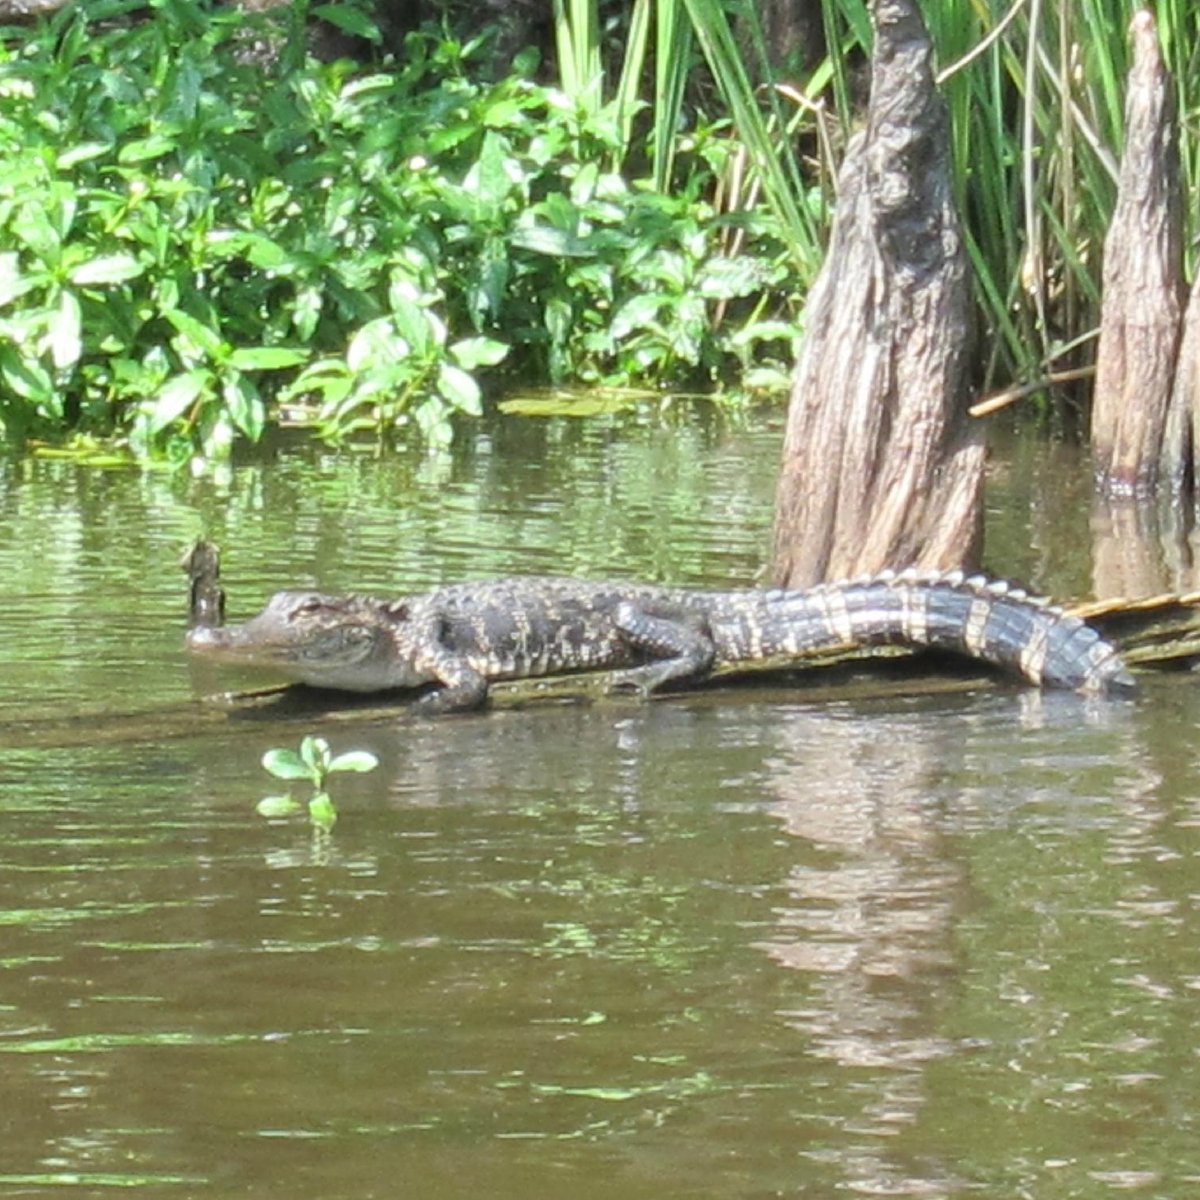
679 645
460 689
460 686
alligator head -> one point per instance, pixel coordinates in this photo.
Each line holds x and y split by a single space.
348 643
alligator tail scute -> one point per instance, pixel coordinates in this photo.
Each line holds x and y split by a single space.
1000 623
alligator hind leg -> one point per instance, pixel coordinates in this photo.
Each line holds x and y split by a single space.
679 646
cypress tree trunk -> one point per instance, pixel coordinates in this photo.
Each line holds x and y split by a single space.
1143 292
880 467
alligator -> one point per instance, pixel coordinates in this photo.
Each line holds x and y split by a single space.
452 641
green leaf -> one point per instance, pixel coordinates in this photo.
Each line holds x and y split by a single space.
550 240
286 764
108 268
433 421
145 148
348 19
34 228
25 376
12 283
260 251
277 806
266 358
84 152
489 179
500 114
459 388
315 752
216 437
478 352
583 186
354 760
200 335
64 332
321 811
306 312
729 278
375 345
244 405
412 323
638 312
175 397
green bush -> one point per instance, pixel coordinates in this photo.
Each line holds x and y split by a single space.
190 240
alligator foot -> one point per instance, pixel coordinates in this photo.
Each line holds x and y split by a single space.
677 647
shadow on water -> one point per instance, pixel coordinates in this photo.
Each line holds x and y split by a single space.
746 944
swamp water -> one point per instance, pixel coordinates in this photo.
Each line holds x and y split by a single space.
738 945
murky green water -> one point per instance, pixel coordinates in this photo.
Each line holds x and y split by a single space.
741 945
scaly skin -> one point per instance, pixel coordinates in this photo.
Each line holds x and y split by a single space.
459 637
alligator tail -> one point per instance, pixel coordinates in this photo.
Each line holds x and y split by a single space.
986 619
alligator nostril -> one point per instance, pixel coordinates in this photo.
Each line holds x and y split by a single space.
202 636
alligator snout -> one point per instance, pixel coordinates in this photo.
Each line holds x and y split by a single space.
206 637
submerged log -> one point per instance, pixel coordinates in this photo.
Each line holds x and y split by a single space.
880 466
1153 631
1143 290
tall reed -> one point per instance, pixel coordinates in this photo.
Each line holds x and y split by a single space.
1035 91
1036 94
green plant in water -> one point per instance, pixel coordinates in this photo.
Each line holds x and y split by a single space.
194 245
314 762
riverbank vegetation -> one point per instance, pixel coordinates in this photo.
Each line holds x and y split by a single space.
197 236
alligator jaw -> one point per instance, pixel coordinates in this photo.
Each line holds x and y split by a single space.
229 646
226 644
345 643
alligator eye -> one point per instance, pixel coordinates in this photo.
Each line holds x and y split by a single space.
309 608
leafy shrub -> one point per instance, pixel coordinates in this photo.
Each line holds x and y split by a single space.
188 239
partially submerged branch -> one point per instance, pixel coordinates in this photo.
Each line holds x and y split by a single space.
206 597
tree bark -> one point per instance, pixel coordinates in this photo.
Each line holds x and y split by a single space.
1181 449
794 36
1143 291
880 467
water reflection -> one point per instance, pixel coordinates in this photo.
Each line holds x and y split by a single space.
899 821
869 917
1142 548
743 945
1047 528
